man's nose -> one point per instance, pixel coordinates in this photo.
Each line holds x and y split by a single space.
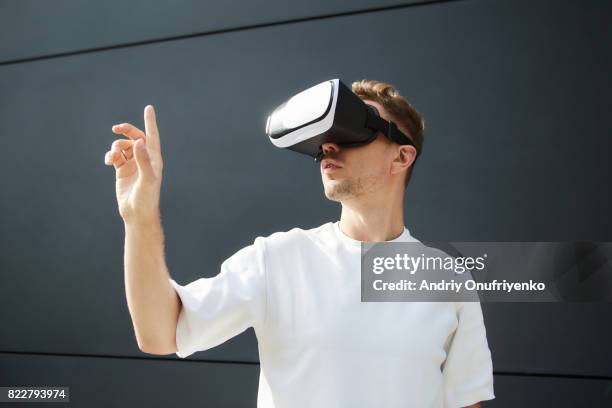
330 147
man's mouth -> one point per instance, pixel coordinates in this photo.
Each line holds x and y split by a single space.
328 165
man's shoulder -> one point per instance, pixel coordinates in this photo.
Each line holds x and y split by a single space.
287 242
296 235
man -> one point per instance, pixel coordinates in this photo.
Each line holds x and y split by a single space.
319 345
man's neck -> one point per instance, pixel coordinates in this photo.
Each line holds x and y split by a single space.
374 222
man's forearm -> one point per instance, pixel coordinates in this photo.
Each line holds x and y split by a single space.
152 301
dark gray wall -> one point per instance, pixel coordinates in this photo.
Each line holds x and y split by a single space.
515 95
49 28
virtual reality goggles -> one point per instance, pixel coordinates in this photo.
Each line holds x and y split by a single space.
328 112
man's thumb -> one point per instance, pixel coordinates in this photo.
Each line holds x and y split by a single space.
143 160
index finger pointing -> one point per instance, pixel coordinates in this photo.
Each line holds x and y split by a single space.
151 127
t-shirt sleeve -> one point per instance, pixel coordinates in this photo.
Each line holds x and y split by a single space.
219 308
468 368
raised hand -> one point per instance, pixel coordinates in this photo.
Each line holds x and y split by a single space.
138 169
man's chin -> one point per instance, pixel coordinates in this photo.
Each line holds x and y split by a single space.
332 197
335 191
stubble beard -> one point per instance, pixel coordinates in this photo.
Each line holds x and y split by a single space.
349 188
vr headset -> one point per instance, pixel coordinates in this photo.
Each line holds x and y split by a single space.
328 112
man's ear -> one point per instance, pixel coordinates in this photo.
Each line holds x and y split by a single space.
406 154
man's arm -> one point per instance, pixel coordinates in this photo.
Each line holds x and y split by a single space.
468 369
153 303
477 405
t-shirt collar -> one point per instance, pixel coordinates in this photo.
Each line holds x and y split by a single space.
405 236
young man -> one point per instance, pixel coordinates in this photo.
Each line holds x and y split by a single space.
319 345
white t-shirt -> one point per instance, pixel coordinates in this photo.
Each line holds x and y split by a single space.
319 345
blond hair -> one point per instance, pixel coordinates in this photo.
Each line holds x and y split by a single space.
405 116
